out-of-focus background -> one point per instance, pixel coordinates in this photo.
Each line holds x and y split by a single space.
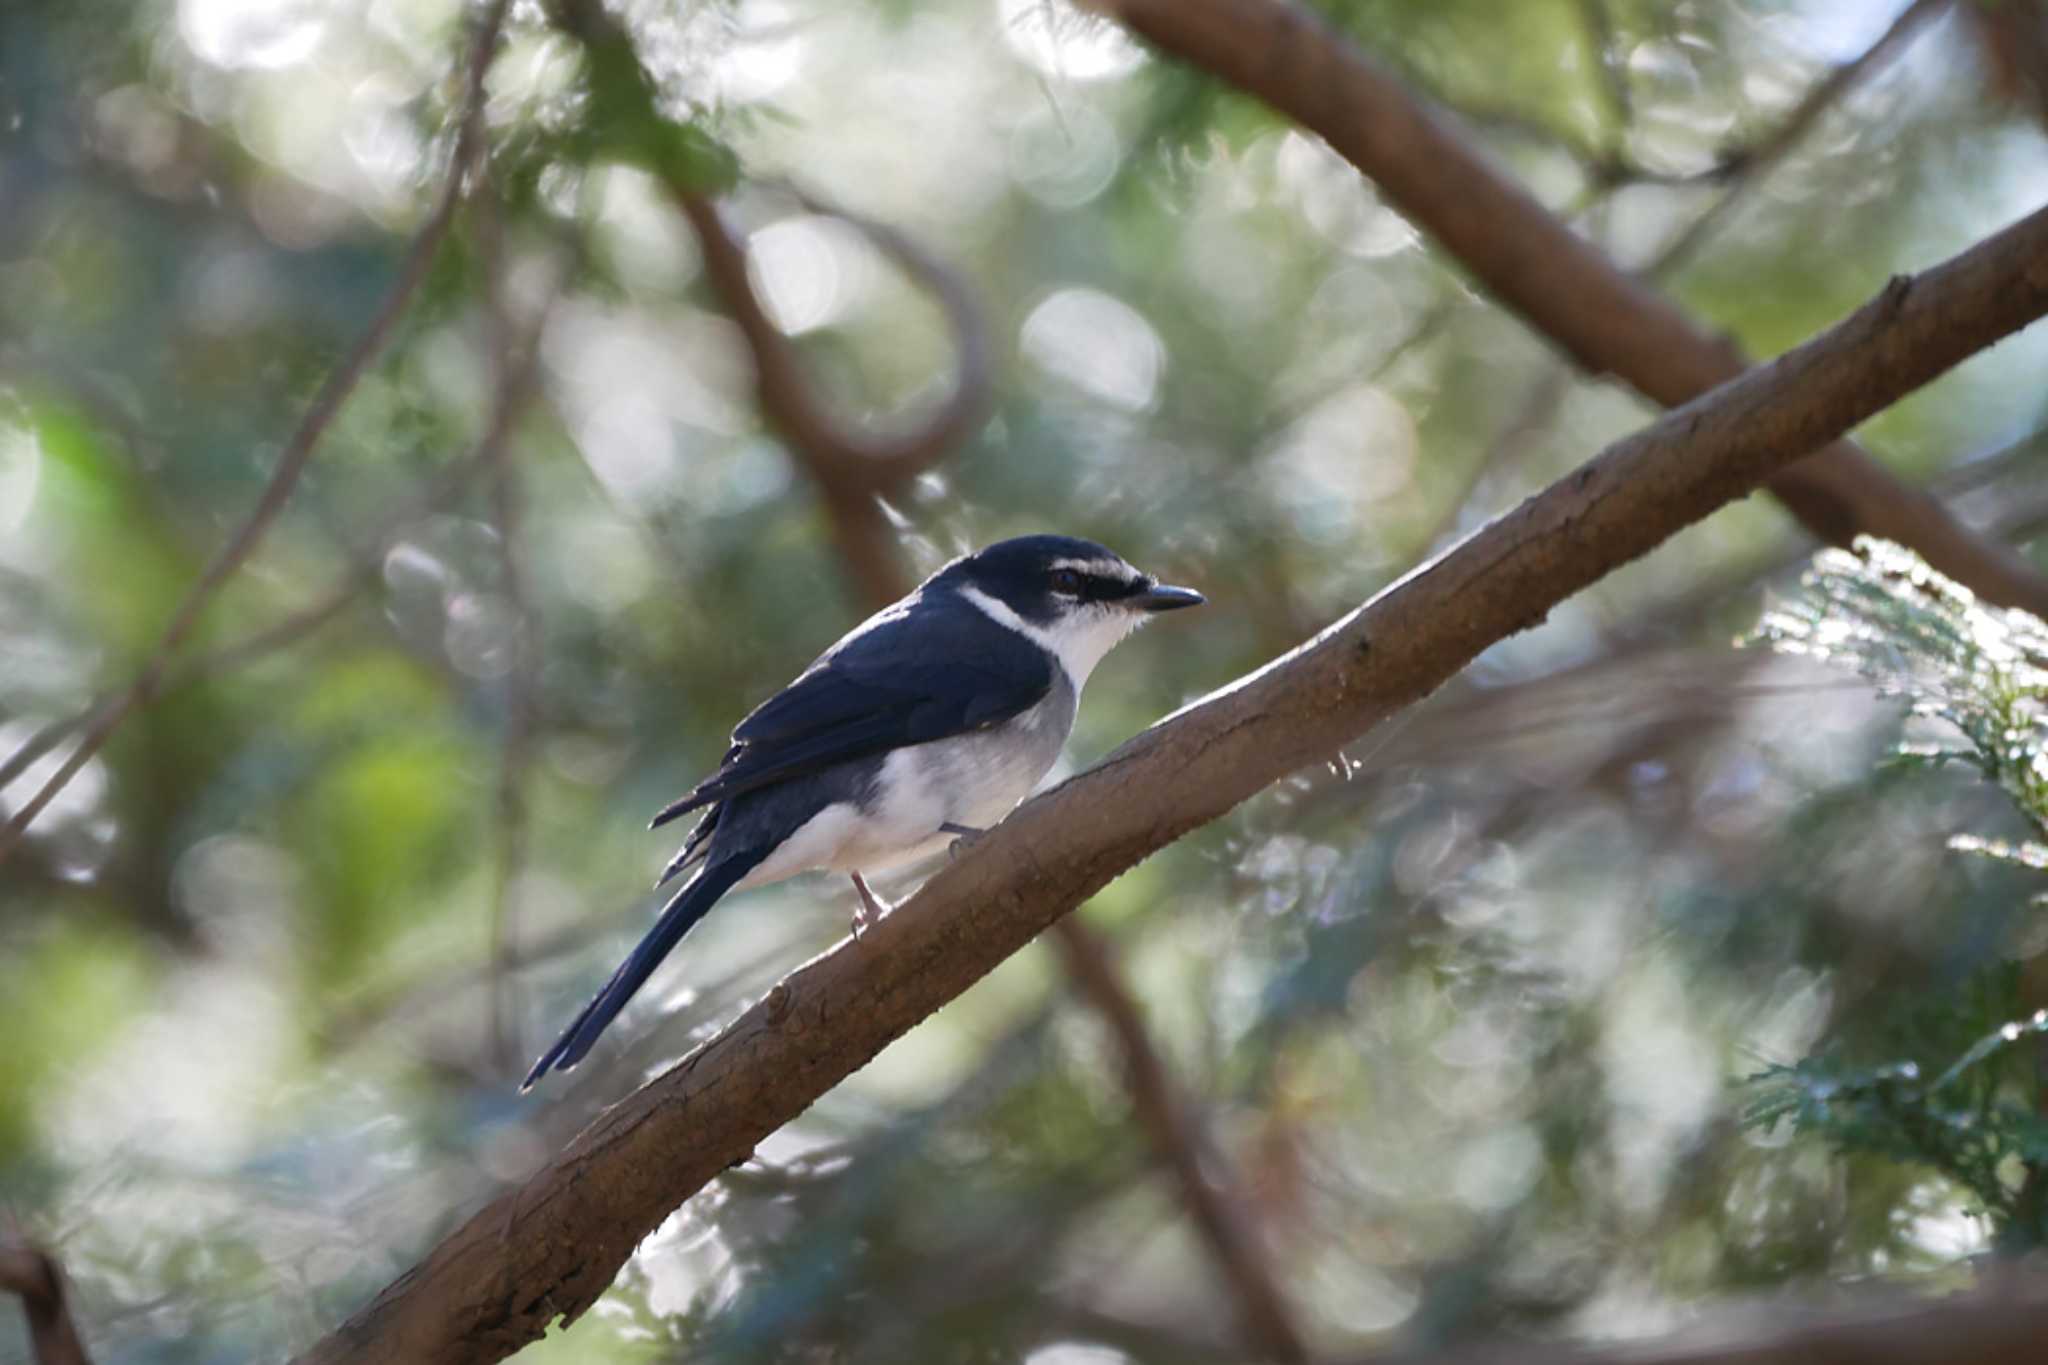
1468 1027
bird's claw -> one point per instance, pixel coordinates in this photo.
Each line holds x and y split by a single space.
966 837
869 911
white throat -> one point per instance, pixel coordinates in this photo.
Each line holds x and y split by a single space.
1078 639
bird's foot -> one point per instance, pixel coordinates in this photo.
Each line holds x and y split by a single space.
968 837
872 907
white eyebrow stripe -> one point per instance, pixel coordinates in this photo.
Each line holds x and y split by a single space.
1003 614
1101 568
1078 649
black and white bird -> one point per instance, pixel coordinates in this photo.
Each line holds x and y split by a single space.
928 721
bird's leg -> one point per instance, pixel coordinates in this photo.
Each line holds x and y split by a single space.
968 837
872 907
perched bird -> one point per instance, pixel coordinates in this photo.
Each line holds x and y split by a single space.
926 722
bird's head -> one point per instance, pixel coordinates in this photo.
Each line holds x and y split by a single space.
1074 597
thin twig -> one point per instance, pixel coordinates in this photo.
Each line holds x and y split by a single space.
1757 160
1608 321
1510 445
298 451
512 367
39 1282
362 569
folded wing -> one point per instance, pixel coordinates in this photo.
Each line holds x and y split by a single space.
881 688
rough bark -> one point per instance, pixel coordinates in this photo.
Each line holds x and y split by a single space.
552 1246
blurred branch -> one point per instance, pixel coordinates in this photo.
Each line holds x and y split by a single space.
298 451
1532 416
1605 319
1740 165
1613 68
38 1281
551 1247
2003 1323
870 552
845 459
1207 1188
1748 169
851 469
2013 39
850 472
363 567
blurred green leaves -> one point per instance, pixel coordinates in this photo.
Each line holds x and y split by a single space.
65 992
388 814
1464 1012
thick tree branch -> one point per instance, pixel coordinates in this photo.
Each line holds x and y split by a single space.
38 1281
1606 320
553 1245
868 549
298 451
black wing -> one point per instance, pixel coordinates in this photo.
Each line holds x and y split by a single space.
886 685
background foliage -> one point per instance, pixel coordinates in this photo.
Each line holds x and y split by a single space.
1470 1016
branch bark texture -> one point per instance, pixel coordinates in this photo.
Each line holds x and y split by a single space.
1607 320
844 468
552 1246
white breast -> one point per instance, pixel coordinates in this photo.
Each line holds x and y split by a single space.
972 780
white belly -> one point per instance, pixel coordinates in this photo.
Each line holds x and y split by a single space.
971 780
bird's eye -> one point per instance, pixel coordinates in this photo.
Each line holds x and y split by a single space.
1066 581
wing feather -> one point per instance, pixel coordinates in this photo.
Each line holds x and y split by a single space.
886 685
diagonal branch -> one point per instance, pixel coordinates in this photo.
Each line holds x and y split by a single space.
827 453
1605 320
1756 162
298 451
850 469
363 567
551 1247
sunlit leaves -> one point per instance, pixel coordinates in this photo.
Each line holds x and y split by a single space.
1982 674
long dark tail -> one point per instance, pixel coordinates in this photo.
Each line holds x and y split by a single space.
696 897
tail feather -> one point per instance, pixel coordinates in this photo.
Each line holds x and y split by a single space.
689 905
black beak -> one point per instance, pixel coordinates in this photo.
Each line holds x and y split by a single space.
1161 597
